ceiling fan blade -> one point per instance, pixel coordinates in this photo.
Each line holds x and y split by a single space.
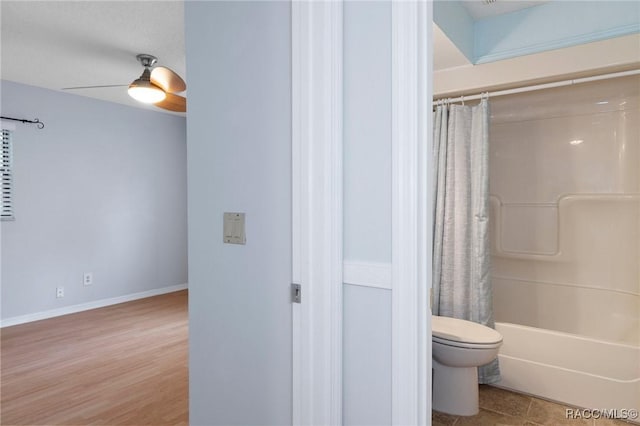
168 80
173 102
94 87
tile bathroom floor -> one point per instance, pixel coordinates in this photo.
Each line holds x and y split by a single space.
505 408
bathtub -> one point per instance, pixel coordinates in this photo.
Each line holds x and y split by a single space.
571 369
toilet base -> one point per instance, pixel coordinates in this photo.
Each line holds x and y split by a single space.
455 389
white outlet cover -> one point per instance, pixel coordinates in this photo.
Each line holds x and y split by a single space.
233 228
87 278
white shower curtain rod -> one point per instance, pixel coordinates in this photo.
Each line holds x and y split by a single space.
539 86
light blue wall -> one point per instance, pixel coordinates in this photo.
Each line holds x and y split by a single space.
239 160
367 131
102 189
367 210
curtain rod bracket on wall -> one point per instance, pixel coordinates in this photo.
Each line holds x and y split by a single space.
35 121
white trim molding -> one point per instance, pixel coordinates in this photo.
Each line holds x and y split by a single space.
22 319
411 24
369 274
317 211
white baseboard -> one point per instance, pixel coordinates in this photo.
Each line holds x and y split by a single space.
89 305
370 274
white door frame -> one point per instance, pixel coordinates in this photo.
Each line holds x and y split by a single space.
411 46
317 109
317 211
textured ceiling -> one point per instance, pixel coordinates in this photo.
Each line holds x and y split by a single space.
57 44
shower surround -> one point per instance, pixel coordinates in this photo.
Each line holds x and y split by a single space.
565 236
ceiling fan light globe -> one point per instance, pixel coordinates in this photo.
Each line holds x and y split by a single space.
146 92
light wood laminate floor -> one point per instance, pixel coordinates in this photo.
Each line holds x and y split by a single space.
124 364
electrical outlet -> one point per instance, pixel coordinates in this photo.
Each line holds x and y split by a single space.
88 278
59 292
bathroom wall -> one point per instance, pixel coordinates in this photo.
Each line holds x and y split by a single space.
565 199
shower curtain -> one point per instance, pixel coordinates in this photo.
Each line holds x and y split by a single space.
461 253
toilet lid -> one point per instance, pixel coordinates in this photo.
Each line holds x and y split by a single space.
458 330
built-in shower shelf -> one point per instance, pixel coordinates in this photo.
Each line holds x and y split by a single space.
557 232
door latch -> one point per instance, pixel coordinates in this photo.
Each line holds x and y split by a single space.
296 293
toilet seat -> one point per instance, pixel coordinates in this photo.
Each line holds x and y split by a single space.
465 345
463 334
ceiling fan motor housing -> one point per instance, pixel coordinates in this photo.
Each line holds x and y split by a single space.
147 61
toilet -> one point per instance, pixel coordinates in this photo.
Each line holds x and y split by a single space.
459 348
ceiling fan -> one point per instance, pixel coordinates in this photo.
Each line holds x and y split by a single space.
156 85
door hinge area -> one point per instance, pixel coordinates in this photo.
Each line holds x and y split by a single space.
296 293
